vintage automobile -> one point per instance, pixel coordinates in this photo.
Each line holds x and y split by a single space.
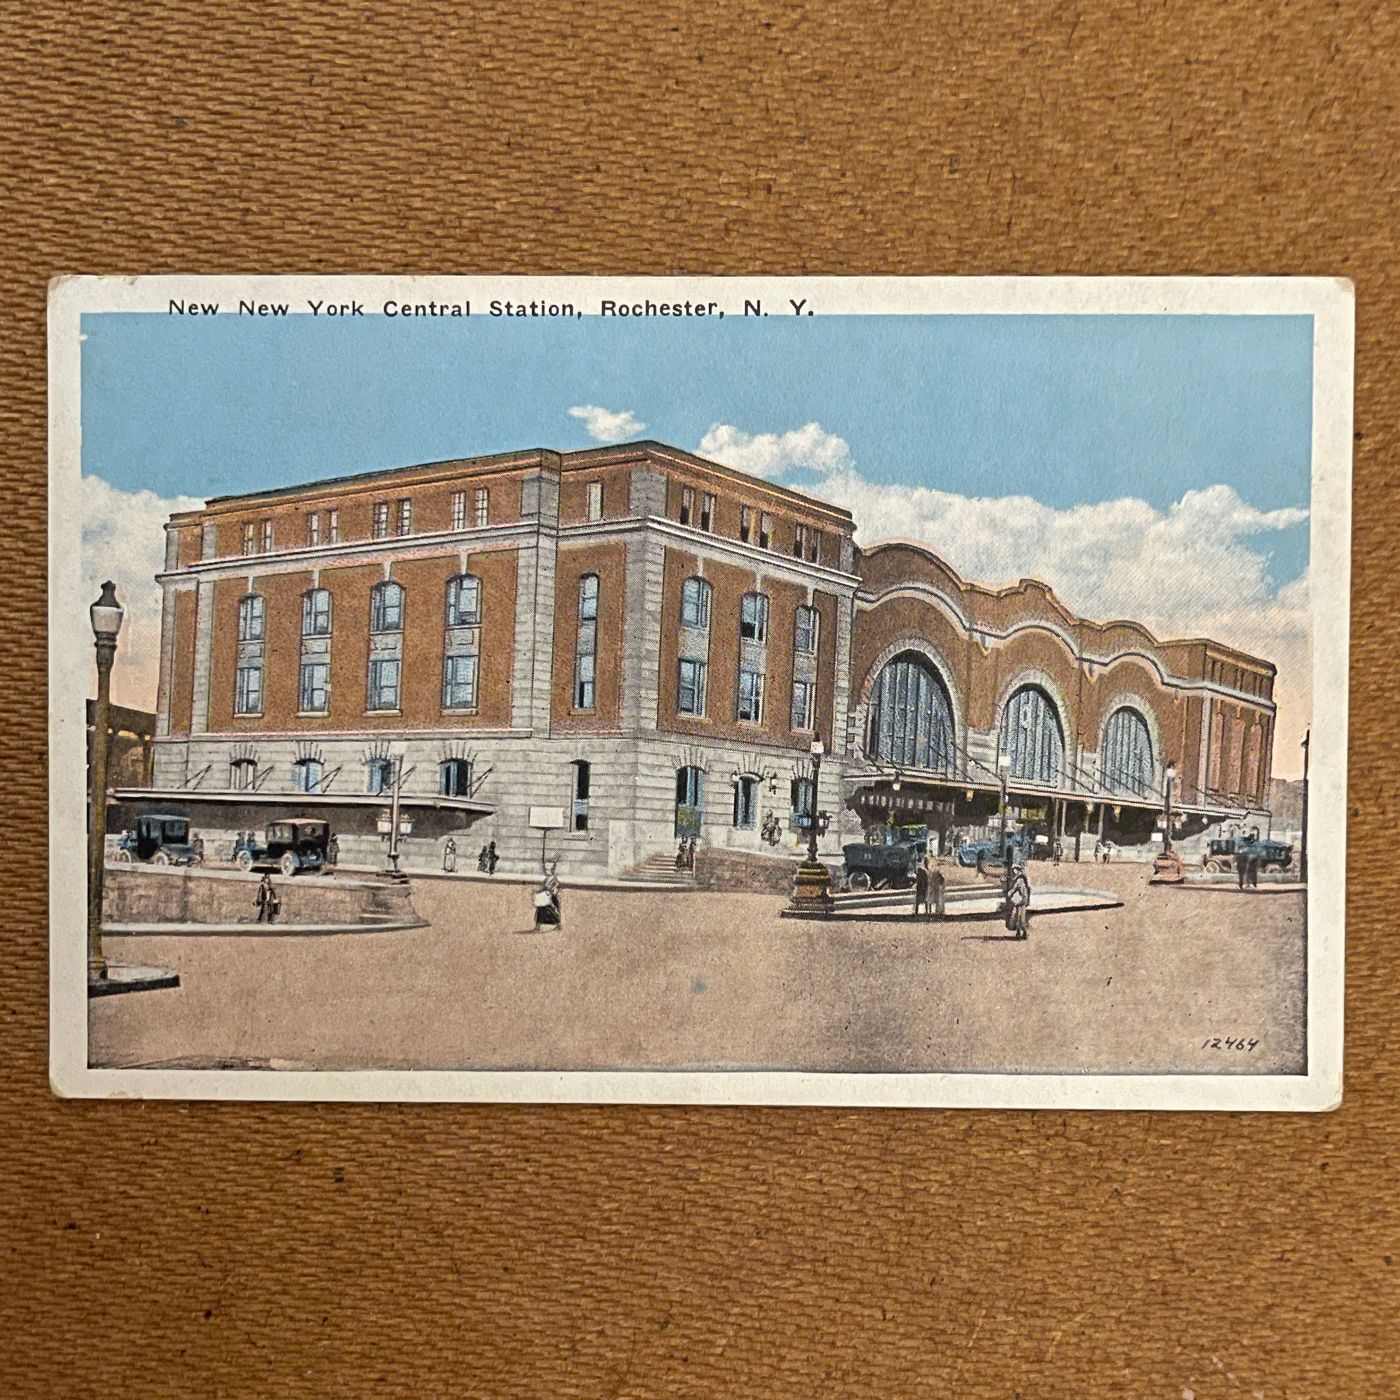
989 852
159 839
292 845
1225 852
888 860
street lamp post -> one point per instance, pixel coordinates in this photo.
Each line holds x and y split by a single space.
1168 868
811 886
1004 774
106 614
1303 838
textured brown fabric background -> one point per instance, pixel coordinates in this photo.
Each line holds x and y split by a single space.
177 1250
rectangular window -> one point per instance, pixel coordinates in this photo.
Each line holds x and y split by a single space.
250 537
745 523
247 699
804 640
252 618
384 683
381 520
459 510
464 601
455 777
799 540
481 507
313 528
586 648
765 531
583 780
746 802
814 546
267 537
753 617
687 504
707 511
332 527
750 705
695 603
315 696
316 613
690 692
405 516
379 778
595 500
803 704
459 683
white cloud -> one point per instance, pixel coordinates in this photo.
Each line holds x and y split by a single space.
1192 569
124 540
772 454
605 425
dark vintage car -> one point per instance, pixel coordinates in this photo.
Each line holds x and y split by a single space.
1226 852
159 839
990 851
888 860
291 846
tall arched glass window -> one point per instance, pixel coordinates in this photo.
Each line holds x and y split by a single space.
1126 762
1031 734
386 607
911 716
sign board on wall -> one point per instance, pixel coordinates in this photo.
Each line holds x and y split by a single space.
547 818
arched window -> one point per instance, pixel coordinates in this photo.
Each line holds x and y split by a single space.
1126 763
379 775
753 617
1032 736
455 777
464 601
316 612
306 774
695 603
911 716
386 607
690 800
252 618
242 773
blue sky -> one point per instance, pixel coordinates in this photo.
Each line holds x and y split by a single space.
1067 409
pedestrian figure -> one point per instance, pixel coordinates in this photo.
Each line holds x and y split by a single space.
1018 902
268 903
491 858
199 850
449 855
483 858
680 853
1254 872
548 908
1056 851
921 890
1241 868
690 856
333 850
938 883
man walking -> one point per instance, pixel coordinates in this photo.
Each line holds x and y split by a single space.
268 903
1018 902
491 858
449 855
921 889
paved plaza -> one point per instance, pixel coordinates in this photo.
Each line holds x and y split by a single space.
679 980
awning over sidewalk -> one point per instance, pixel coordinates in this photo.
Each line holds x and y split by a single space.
263 796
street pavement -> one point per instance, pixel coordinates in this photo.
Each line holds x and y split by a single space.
1177 980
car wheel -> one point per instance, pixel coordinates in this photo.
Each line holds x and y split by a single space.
288 864
160 858
1213 866
244 861
859 881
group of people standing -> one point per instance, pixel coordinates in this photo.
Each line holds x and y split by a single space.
930 893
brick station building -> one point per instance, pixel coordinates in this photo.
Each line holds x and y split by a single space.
651 642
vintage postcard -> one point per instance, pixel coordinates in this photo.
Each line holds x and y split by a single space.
884 691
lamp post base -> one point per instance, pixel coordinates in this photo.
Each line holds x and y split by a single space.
1168 869
811 889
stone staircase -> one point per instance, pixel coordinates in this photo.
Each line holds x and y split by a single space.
660 869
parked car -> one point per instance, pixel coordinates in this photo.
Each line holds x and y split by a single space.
1224 852
291 846
888 860
990 851
159 839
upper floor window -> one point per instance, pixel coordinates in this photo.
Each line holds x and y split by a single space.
464 601
745 523
247 693
707 511
805 625
690 688
687 504
380 527
459 510
313 528
315 691
332 527
481 506
459 677
386 607
814 546
750 699
316 612
455 777
384 672
586 647
799 540
804 695
753 617
267 537
406 516
695 603
252 618
595 500
379 775
306 774
250 537
765 531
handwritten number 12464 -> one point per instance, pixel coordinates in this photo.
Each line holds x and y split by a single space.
1229 1042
